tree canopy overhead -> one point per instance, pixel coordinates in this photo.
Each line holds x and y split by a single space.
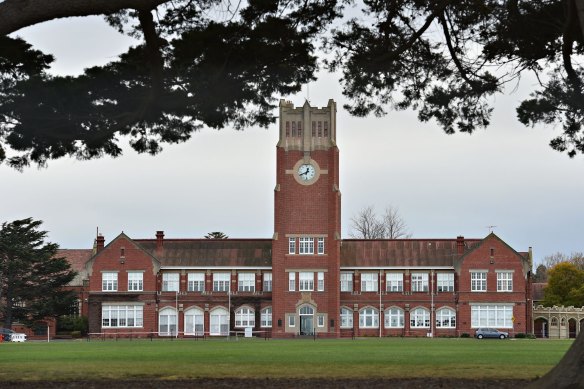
217 63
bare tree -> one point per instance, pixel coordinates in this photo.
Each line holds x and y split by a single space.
575 258
368 225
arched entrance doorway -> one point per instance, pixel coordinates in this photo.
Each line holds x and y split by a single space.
572 332
306 320
541 328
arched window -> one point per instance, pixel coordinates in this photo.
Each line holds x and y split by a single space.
394 317
266 317
306 310
445 318
194 322
368 318
167 322
563 322
245 317
420 318
219 322
554 322
346 318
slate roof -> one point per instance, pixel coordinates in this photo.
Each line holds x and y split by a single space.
401 252
77 259
211 252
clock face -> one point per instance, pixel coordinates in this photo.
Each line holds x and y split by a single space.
306 172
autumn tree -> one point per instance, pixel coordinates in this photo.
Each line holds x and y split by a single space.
367 224
32 276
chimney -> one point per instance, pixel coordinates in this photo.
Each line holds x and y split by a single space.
460 245
99 243
159 240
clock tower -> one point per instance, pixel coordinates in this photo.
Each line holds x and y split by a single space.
307 223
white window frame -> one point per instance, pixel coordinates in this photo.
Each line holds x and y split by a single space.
346 318
135 281
292 246
266 317
491 315
504 281
420 318
320 246
368 318
196 282
246 282
291 321
170 282
445 318
320 321
194 321
219 322
369 282
267 286
346 282
320 281
221 282
394 317
109 281
292 281
305 281
244 317
445 282
478 281
305 245
167 322
394 282
122 316
419 282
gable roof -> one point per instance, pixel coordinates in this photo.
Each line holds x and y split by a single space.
401 252
211 252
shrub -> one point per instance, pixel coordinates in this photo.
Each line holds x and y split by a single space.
520 335
76 334
465 335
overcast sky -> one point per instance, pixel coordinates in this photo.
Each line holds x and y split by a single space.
444 185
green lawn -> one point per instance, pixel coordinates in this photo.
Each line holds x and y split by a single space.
362 358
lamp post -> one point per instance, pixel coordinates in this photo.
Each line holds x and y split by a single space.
176 307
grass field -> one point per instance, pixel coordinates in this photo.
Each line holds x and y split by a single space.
362 358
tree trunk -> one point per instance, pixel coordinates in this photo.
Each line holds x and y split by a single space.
580 11
569 373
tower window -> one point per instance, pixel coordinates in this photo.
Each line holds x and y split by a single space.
319 129
293 129
313 129
287 129
326 129
300 129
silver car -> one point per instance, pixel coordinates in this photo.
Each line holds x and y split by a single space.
490 333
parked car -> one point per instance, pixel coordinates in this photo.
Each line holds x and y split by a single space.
490 333
11 336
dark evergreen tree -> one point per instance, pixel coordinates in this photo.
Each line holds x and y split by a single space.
32 277
216 235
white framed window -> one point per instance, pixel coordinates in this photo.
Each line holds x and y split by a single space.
244 317
291 321
219 322
305 281
267 282
246 282
478 281
170 282
394 282
320 321
504 281
491 315
116 316
445 318
368 318
420 318
135 281
266 317
445 282
221 282
346 318
320 281
369 282
194 322
167 322
419 282
196 282
320 246
291 245
109 281
291 281
394 318
305 245
346 282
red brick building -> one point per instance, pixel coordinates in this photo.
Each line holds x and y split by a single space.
306 280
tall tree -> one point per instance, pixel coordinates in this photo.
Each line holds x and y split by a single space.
565 282
575 258
204 62
32 277
368 225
